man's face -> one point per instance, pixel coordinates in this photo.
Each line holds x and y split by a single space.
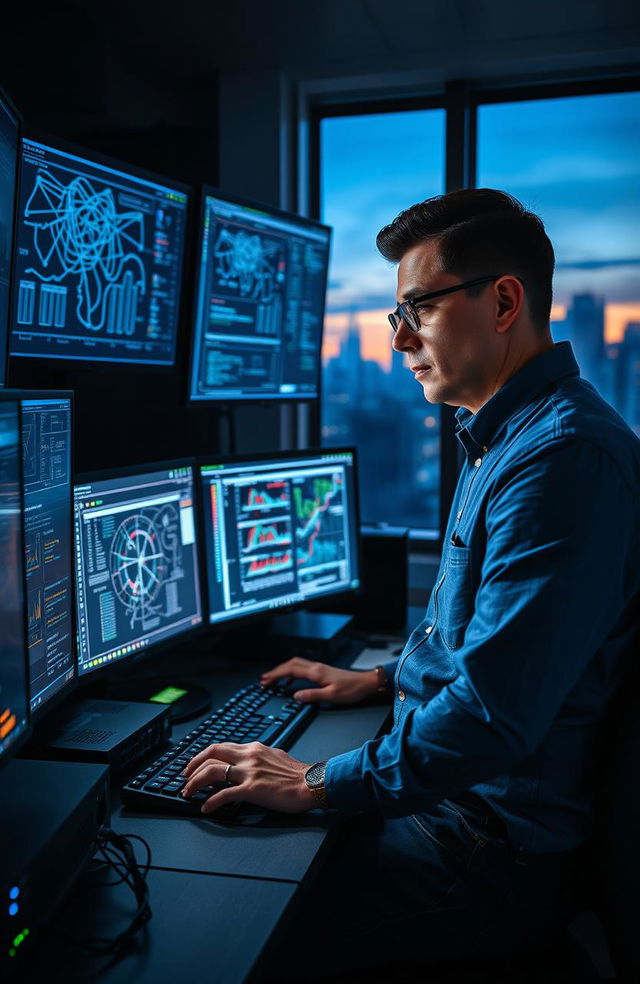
457 353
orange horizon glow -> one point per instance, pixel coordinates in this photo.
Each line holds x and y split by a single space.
375 334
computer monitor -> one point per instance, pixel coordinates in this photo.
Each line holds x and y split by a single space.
279 530
259 302
14 695
9 140
99 259
137 573
48 543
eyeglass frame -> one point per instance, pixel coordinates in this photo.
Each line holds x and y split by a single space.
410 303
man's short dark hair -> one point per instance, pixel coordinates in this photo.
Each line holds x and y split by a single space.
479 231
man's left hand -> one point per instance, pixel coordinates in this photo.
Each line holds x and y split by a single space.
259 774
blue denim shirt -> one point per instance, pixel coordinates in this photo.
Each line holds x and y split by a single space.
503 687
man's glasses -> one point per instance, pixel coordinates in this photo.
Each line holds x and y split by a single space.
407 311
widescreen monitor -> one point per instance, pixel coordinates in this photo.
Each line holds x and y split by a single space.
279 531
9 140
259 303
14 697
137 574
48 543
99 259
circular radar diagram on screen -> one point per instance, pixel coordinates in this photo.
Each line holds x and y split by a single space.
138 567
78 232
246 262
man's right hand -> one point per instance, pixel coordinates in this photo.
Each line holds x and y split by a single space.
332 684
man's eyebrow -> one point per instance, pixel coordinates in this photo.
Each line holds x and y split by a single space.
415 292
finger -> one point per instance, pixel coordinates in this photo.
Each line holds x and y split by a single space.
209 774
229 794
312 696
292 668
226 751
195 775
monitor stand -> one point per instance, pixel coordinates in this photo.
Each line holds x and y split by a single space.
186 699
313 635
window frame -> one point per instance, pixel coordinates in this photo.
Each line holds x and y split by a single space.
460 99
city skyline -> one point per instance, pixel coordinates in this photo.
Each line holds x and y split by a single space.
376 333
575 162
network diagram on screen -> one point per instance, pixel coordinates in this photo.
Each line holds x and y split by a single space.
277 534
99 261
260 304
137 563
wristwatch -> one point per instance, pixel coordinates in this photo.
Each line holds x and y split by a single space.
383 683
314 778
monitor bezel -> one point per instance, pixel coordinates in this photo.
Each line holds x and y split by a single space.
43 709
97 157
242 620
135 659
26 733
269 400
5 98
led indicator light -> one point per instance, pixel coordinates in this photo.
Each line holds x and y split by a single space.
13 908
12 952
14 893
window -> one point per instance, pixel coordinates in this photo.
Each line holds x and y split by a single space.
371 167
576 162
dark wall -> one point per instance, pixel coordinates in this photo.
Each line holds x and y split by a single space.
77 75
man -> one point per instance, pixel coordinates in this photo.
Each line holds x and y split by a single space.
471 810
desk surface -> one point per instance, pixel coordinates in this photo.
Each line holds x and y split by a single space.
218 892
204 928
276 846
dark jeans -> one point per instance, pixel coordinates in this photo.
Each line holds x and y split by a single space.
422 889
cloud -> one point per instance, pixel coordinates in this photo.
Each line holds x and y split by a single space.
598 264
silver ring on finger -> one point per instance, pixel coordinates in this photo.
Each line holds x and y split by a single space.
226 773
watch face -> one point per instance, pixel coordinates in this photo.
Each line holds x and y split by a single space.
315 775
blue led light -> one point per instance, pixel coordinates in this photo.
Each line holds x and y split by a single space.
13 908
14 893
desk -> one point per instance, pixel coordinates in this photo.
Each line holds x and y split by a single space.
219 893
194 933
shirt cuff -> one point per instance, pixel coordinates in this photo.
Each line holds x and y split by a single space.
343 783
390 673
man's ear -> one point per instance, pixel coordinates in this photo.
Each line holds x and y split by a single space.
509 293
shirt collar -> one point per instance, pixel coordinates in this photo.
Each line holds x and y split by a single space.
476 431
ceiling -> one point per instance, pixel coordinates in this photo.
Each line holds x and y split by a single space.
139 62
307 36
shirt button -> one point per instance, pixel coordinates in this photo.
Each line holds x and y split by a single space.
428 629
477 462
401 695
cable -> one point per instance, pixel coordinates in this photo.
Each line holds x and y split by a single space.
118 854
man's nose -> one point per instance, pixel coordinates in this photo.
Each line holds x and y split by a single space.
404 340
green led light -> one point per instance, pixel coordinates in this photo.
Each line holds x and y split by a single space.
18 940
168 696
12 952
25 932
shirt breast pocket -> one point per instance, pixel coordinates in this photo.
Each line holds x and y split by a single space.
455 598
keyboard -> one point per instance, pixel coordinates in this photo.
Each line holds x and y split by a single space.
255 713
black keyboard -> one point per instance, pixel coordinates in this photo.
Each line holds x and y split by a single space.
256 713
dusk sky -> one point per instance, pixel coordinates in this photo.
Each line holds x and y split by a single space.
574 161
